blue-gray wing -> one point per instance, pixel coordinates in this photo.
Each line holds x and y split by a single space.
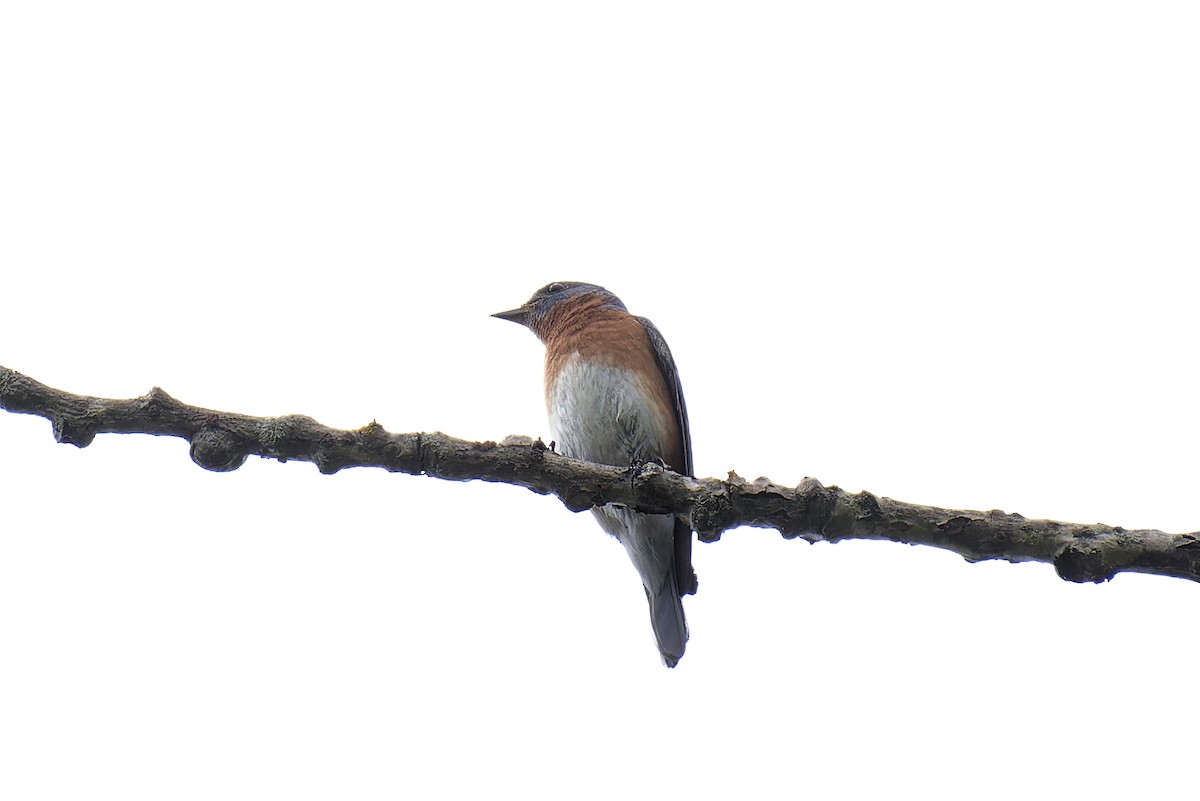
684 575
666 364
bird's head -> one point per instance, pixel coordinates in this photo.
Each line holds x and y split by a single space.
556 301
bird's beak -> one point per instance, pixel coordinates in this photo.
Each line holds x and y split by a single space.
519 315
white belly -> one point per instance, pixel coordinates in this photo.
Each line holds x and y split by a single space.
599 413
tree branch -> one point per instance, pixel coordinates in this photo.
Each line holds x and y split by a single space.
221 441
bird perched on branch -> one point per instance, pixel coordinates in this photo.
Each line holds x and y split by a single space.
613 396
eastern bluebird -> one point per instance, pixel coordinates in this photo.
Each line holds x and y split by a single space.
613 397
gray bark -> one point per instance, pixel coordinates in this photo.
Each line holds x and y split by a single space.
222 441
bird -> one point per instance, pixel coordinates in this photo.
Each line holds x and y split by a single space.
613 397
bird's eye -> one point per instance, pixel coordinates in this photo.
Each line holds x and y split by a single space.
555 288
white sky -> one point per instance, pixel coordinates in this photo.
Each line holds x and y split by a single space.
941 252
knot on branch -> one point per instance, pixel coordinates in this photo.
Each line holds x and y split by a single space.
715 511
218 450
73 431
372 431
819 503
155 402
1083 560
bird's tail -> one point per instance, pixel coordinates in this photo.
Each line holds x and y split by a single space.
666 616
